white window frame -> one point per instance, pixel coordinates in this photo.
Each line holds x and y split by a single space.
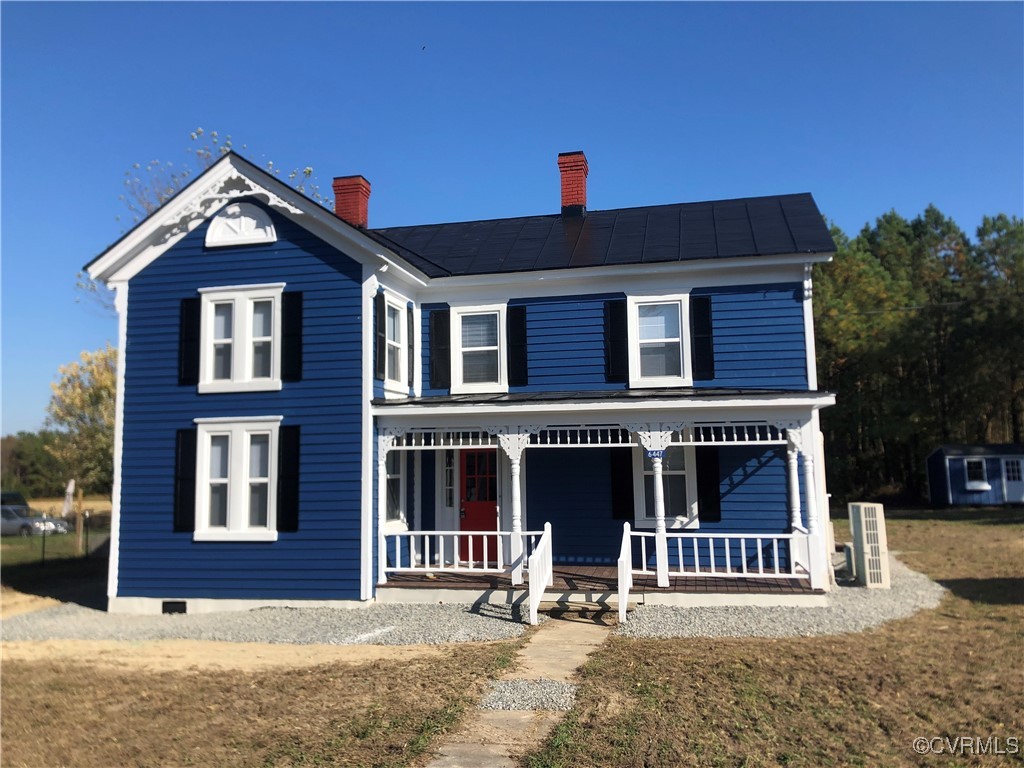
401 523
240 224
242 298
458 387
633 304
976 485
239 431
688 521
399 385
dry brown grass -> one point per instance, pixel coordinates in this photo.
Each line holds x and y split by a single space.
858 699
382 713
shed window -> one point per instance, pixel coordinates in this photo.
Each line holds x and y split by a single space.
977 479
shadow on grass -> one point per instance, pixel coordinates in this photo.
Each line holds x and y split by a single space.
80 580
978 515
1006 591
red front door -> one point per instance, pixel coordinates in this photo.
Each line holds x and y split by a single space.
478 510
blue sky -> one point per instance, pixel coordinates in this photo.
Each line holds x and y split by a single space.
457 111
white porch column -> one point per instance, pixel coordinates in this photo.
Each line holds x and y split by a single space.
513 441
655 441
793 480
810 490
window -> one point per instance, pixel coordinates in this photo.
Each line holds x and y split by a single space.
395 506
236 479
678 482
478 349
659 347
240 347
240 224
977 479
1013 470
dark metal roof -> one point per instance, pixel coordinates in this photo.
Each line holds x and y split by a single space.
611 396
752 226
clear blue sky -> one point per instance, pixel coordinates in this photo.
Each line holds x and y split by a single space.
457 112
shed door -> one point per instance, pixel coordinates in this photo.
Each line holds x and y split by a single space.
1013 477
479 503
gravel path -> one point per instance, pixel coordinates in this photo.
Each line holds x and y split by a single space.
379 624
530 695
850 609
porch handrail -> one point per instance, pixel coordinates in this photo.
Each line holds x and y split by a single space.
625 571
429 551
758 556
541 571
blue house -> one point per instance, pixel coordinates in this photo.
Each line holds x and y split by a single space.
311 411
976 475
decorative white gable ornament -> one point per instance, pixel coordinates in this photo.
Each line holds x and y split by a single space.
240 224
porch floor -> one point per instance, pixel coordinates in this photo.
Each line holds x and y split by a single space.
604 578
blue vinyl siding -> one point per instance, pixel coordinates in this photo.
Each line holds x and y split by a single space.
319 561
753 491
565 343
571 489
758 336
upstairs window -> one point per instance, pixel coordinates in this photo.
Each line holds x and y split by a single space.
478 343
659 347
393 350
240 339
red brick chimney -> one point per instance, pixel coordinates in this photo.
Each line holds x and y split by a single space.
352 200
574 170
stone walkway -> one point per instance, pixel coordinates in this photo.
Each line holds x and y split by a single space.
494 738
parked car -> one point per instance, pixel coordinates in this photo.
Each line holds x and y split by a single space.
16 523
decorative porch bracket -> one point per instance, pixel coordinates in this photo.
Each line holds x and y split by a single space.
513 441
655 439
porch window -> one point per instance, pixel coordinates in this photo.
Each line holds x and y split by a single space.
395 507
659 347
678 482
240 348
977 479
236 480
478 349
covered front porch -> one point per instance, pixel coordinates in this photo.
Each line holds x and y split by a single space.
704 511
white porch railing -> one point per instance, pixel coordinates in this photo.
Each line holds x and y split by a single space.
541 571
433 551
727 555
625 571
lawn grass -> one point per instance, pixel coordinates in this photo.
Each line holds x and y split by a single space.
848 700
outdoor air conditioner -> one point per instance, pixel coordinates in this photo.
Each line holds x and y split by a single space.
871 549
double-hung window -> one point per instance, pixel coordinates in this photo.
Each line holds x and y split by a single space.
478 349
395 487
977 477
679 484
236 479
240 338
659 344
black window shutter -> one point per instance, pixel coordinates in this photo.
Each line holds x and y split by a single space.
188 342
703 346
515 331
410 347
440 349
621 473
380 338
185 481
709 497
616 341
288 440
291 336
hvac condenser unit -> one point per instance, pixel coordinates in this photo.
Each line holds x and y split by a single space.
871 550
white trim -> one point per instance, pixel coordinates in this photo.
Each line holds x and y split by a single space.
398 387
976 485
229 178
368 466
239 433
256 226
236 419
113 567
672 522
401 523
242 299
809 345
633 304
154 605
458 311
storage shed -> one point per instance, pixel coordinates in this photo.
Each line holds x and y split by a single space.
976 475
